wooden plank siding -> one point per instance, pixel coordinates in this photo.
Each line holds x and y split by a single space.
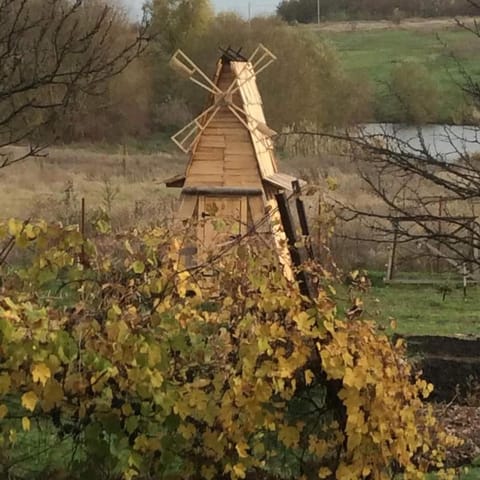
224 154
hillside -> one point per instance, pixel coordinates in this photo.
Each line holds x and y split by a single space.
372 50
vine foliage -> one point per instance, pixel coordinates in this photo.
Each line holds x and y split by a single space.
138 371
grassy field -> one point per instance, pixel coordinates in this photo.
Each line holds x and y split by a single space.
420 309
372 55
130 188
471 474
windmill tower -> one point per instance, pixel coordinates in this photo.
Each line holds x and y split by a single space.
232 174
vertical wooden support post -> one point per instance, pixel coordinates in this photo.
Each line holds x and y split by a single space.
124 160
289 229
465 279
319 239
82 217
302 217
439 232
82 230
475 250
393 252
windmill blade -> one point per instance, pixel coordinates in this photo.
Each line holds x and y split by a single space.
186 67
187 137
260 59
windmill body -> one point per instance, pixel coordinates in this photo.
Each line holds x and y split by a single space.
232 174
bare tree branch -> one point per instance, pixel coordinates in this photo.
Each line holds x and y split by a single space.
53 54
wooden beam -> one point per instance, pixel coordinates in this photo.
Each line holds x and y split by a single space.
302 217
289 229
212 190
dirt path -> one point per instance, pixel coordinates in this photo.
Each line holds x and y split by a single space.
418 24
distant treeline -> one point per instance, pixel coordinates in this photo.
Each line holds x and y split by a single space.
149 100
305 11
307 85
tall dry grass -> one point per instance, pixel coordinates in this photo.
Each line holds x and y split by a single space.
128 187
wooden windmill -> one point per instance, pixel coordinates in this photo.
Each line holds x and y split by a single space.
232 173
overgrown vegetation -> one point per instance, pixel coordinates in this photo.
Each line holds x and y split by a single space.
143 370
376 56
308 72
115 363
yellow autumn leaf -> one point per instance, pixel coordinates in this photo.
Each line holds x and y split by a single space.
332 183
366 471
26 424
324 472
29 400
239 470
309 376
242 448
52 395
289 436
208 473
41 373
127 410
14 227
5 383
3 411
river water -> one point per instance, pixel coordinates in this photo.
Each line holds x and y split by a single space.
446 142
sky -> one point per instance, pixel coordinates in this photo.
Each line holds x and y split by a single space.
257 7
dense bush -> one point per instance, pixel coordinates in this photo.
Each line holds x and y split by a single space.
416 96
130 367
306 83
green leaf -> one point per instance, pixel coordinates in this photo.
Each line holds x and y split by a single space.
138 267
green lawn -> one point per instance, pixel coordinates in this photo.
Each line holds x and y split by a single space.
420 309
373 54
470 473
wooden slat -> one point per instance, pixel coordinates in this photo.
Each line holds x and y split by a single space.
229 122
207 140
198 179
244 216
207 157
241 159
187 207
208 169
246 166
241 182
228 130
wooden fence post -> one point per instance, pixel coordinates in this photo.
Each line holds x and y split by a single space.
393 253
82 231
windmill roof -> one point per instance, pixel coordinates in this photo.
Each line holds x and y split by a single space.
283 181
253 106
